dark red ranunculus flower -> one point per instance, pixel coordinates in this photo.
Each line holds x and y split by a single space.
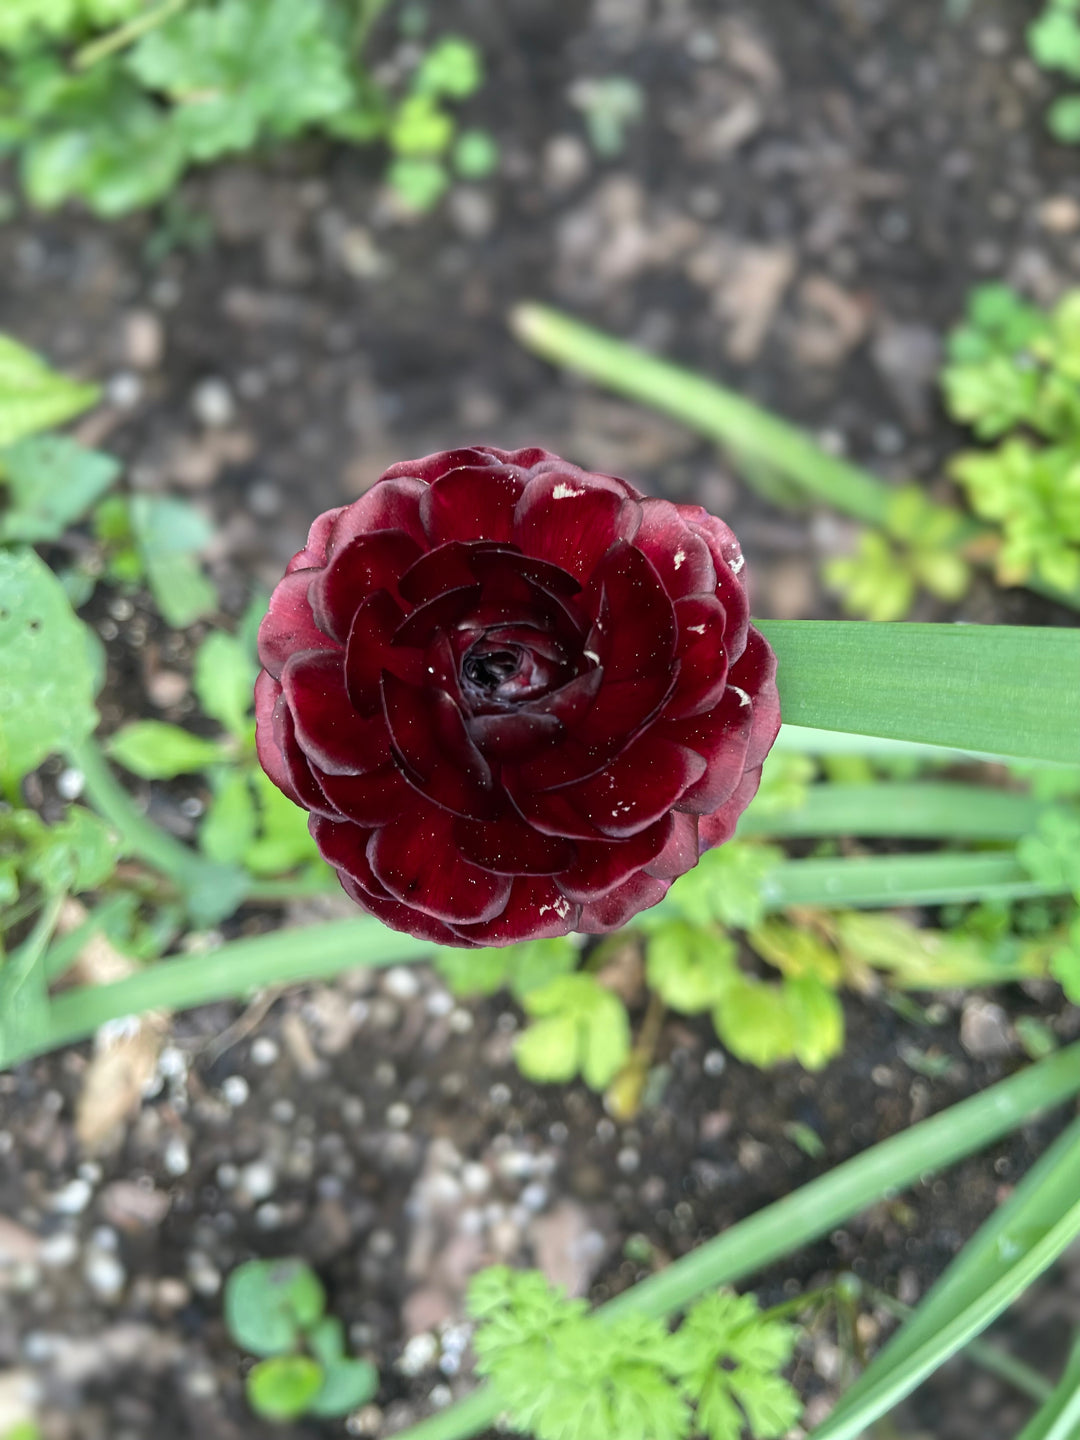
517 698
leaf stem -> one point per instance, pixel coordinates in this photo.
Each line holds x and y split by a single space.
125 35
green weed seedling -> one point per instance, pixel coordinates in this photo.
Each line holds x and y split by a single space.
276 1309
1054 44
562 1377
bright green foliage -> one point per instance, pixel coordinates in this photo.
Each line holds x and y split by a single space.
785 783
728 1356
194 81
33 396
919 547
225 674
690 968
285 1387
51 482
1033 493
476 154
517 968
1054 43
29 20
243 68
48 680
157 751
1052 854
156 539
276 1309
563 1375
270 1303
1014 372
1065 962
77 854
578 1027
727 886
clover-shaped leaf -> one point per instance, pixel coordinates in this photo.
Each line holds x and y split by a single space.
578 1026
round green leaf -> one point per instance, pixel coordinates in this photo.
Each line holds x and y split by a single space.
347 1384
283 1388
157 751
269 1303
46 669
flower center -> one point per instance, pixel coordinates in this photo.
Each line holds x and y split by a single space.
492 668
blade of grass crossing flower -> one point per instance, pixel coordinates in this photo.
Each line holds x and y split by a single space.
1014 1247
1000 689
813 1211
927 811
1059 1417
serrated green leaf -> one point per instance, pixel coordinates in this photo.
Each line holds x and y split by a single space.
771 1405
284 1387
47 670
155 750
549 1051
33 396
726 886
51 482
796 951
245 67
578 1025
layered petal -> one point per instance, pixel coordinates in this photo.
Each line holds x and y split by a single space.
417 862
333 735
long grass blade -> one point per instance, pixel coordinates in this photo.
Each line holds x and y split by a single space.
916 810
877 881
1059 1417
1012 1249
1000 689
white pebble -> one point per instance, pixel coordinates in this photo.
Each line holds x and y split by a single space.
59 1250
714 1063
69 783
104 1274
476 1178
269 1216
401 983
124 390
419 1353
264 1051
213 404
73 1198
398 1115
177 1158
258 1179
235 1090
534 1196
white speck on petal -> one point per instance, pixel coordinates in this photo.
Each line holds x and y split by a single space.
592 655
680 556
736 563
744 698
697 629
563 491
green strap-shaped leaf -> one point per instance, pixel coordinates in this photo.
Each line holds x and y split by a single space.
999 689
1015 1245
33 396
46 667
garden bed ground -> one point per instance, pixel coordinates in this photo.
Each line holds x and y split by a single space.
815 189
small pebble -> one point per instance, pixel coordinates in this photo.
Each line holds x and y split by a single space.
104 1274
235 1090
714 1063
227 1176
401 983
419 1354
177 1157
476 1178
69 784
461 1021
628 1160
269 1216
73 1198
59 1250
258 1179
264 1051
213 404
398 1115
124 390
203 1274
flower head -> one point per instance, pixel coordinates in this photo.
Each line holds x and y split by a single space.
517 698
